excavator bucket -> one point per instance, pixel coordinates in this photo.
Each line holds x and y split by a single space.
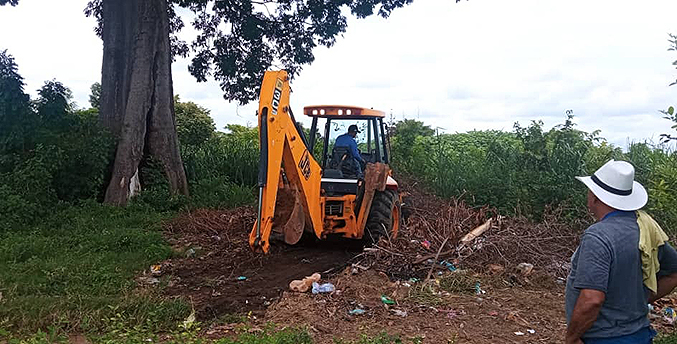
289 219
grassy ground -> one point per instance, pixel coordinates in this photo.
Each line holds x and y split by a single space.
187 336
666 340
74 271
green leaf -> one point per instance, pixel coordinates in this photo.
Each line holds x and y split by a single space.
671 110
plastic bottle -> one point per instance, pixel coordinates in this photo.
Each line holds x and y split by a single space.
322 288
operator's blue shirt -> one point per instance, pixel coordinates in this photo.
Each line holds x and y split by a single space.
346 140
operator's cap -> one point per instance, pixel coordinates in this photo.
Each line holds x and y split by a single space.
353 129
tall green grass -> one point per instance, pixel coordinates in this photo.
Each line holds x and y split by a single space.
530 169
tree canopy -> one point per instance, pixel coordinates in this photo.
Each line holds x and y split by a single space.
95 96
238 41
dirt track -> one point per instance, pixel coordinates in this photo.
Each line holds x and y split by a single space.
216 254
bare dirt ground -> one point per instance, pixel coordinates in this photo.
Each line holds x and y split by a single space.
486 300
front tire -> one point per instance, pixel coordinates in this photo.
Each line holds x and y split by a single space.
384 217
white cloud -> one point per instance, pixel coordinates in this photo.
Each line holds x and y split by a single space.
477 64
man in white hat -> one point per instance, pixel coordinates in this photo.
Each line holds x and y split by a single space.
606 299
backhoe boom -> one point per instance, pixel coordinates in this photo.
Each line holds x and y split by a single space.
284 148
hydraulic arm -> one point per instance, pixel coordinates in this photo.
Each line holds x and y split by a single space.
285 162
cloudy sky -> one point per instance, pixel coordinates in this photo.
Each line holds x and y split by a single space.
478 64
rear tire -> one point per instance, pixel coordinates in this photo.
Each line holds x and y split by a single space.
384 217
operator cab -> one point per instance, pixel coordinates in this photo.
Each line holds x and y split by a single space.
341 173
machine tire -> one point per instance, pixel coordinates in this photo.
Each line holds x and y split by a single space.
384 217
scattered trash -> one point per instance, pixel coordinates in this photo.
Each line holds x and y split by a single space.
400 313
426 244
650 306
242 278
519 333
156 270
525 268
190 253
670 315
448 265
531 331
357 311
303 285
147 280
323 288
414 280
479 290
386 300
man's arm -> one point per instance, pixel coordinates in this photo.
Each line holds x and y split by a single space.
591 279
585 313
667 275
665 286
354 151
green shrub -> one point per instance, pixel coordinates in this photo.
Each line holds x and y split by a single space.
529 169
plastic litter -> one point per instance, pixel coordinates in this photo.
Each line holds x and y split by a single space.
357 311
148 280
414 280
386 300
669 315
190 253
525 268
156 270
426 244
303 285
519 333
400 313
531 331
479 290
448 265
323 288
242 278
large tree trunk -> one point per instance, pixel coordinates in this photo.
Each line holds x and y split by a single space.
136 93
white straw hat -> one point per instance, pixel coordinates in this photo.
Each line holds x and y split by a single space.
614 184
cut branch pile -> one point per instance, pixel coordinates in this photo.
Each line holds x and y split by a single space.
447 234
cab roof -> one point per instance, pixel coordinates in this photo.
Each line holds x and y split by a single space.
341 111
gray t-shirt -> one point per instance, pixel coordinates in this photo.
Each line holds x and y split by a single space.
608 260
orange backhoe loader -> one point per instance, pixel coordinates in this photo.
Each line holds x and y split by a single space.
336 195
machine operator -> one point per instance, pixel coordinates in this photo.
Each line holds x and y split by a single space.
348 140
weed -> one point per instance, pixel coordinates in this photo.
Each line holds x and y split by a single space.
458 282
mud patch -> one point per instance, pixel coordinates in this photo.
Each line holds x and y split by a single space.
219 274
